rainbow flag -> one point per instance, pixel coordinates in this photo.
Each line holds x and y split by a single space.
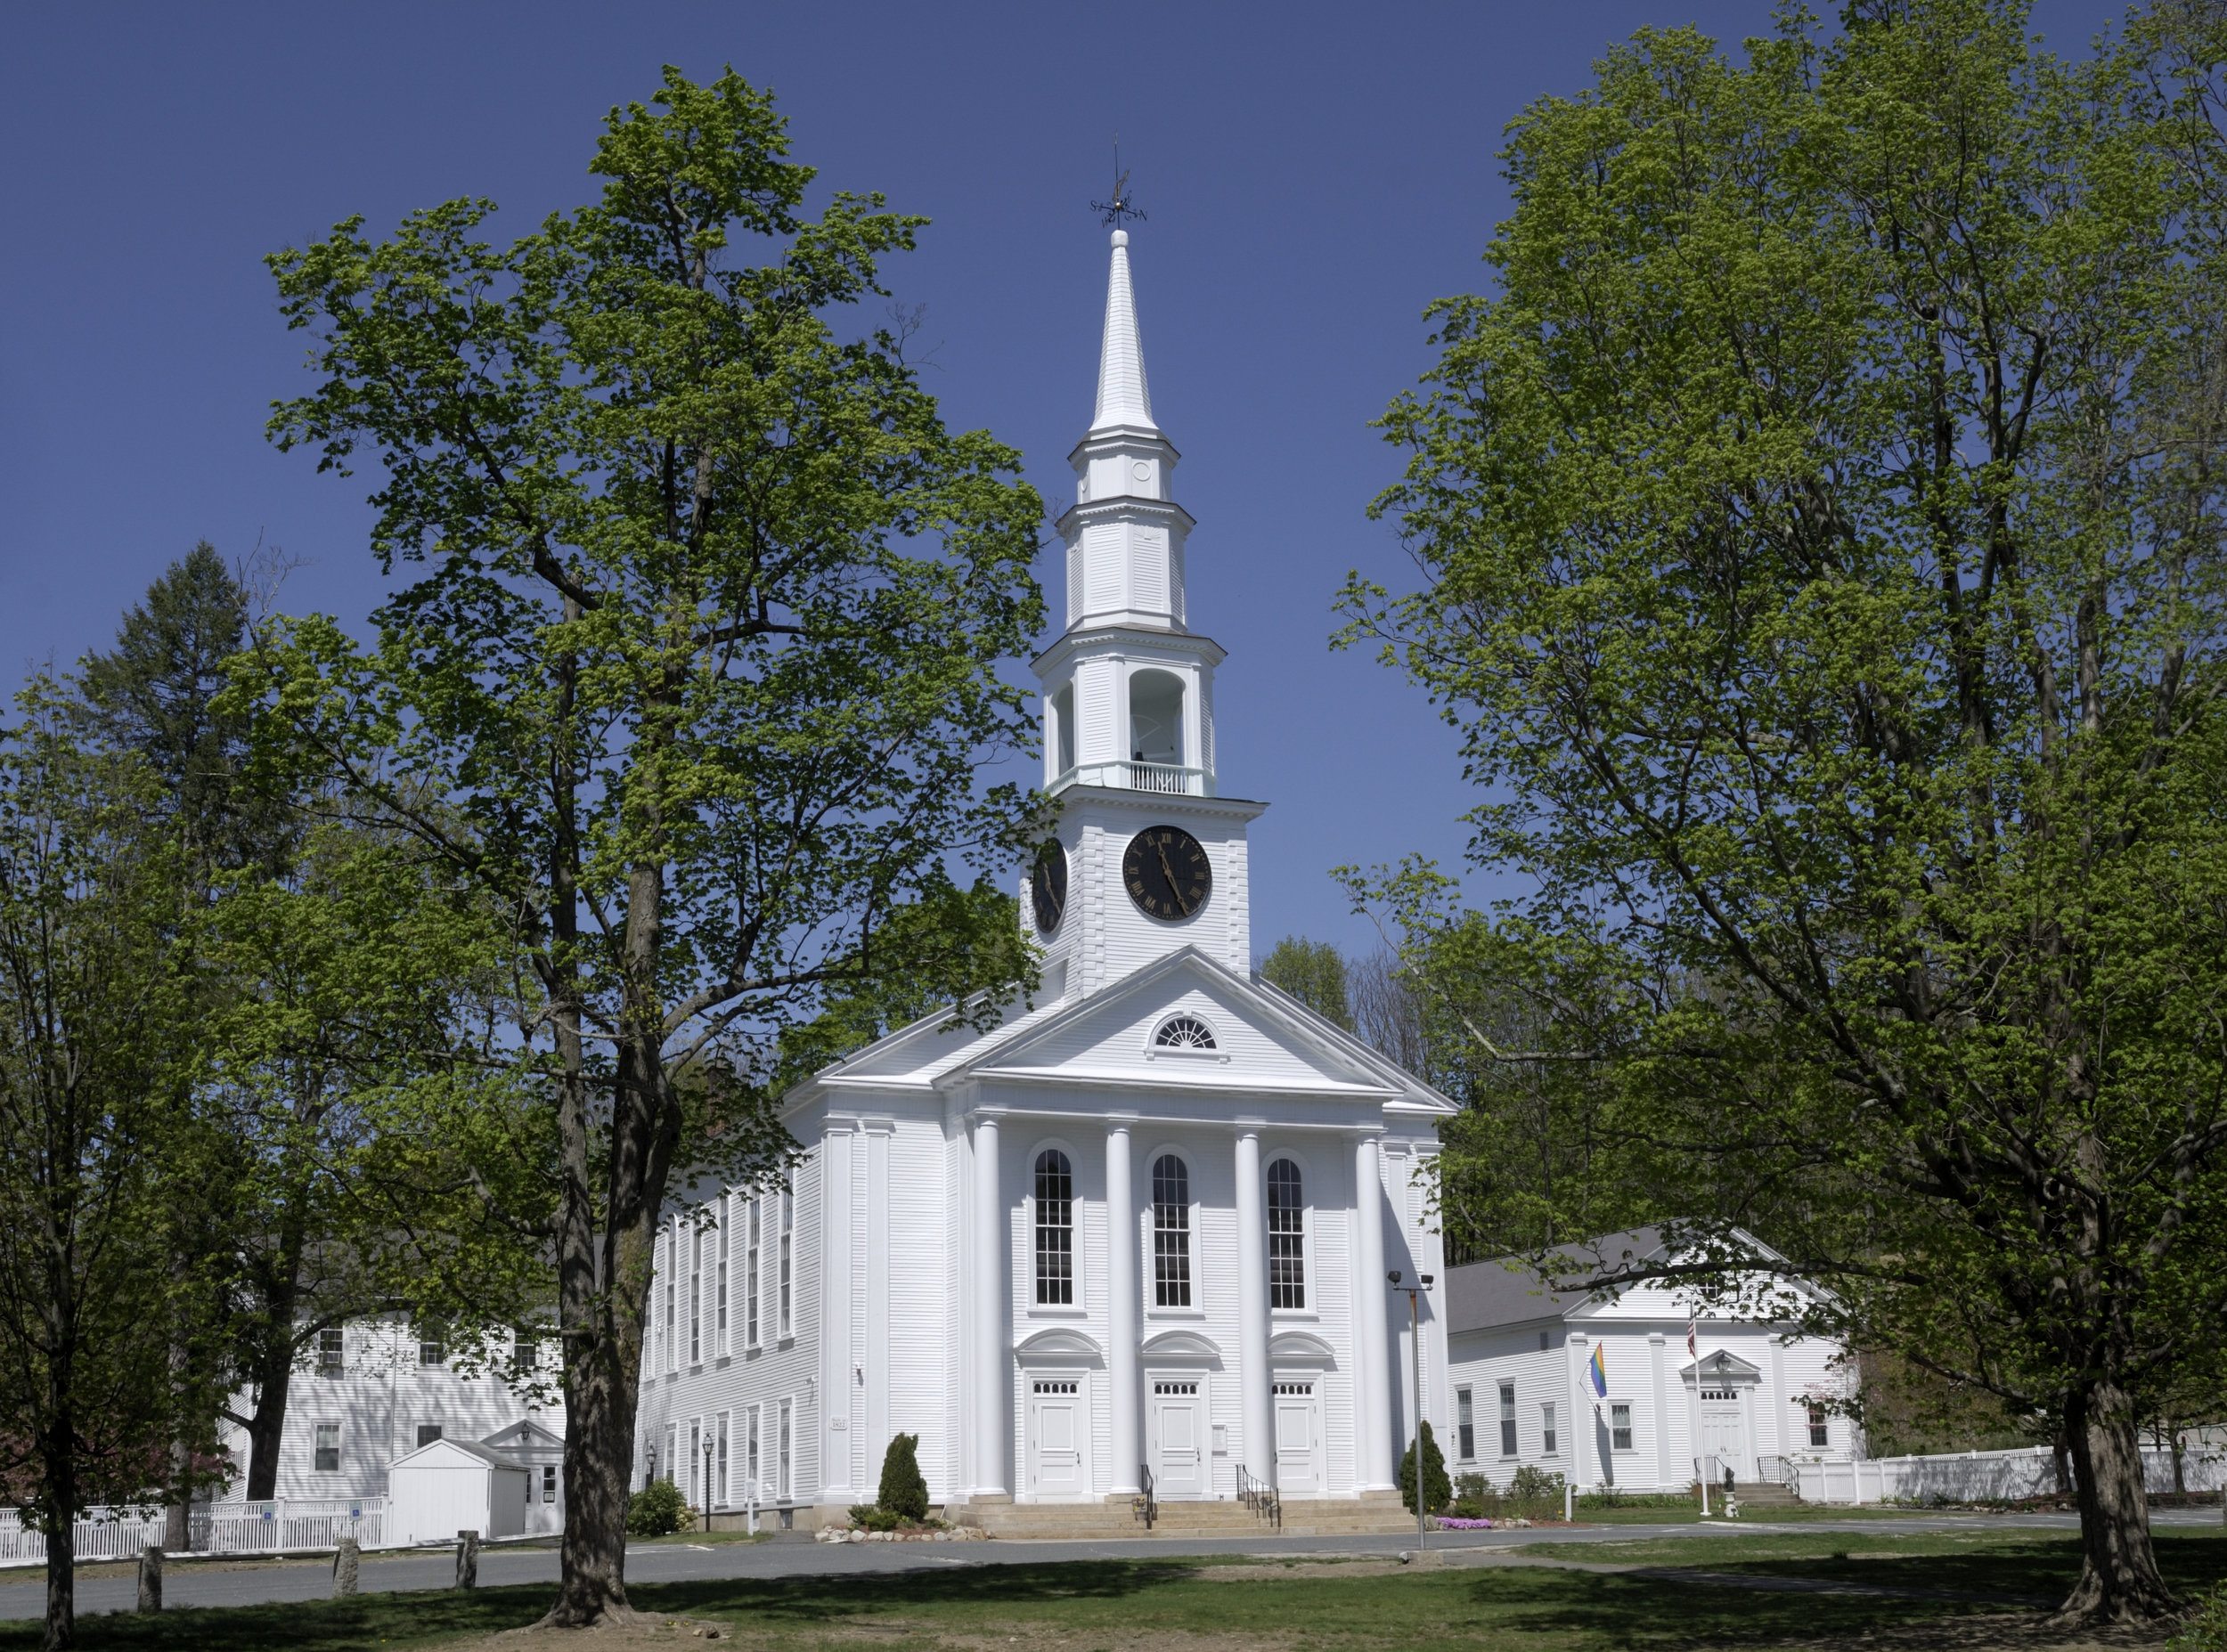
1599 1366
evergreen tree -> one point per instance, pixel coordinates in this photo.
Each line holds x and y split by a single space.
1437 1486
1313 972
904 1490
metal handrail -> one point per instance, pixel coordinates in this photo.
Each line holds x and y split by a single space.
1147 1507
1259 1497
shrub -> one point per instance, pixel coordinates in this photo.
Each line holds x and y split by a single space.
657 1510
1533 1484
904 1491
2204 1629
868 1518
1438 1490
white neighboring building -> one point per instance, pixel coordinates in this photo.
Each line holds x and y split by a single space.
374 1392
1524 1389
1141 1229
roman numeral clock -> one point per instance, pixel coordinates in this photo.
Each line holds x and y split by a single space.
1166 873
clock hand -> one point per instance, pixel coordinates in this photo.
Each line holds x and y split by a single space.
1167 870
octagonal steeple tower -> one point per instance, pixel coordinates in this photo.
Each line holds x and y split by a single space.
1128 688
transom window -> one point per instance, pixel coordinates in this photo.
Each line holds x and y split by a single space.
1055 1228
1057 1386
1288 1237
1184 1032
1171 1232
1174 1387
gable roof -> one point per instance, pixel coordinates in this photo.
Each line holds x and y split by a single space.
433 1450
1484 1296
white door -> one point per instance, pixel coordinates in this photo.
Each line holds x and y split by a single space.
1724 1436
1179 1437
1298 1438
1056 1425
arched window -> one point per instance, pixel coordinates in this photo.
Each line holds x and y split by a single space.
1054 1227
1184 1032
1288 1237
1171 1232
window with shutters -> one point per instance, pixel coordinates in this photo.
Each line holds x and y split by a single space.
788 1257
1171 1232
696 1295
723 1239
1287 1236
751 1270
1055 1228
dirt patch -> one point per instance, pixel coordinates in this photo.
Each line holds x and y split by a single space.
647 1628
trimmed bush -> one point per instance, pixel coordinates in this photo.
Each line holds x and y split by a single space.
657 1510
904 1490
1438 1490
868 1518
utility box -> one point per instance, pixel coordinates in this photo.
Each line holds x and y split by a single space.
450 1487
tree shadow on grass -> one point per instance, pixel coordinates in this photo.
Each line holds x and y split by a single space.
1611 1610
823 1598
350 1626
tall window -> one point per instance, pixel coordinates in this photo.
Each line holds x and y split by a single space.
1288 1237
673 1450
332 1355
1054 1227
672 1328
1820 1433
1619 1428
695 1460
328 1448
549 1482
719 1475
753 1489
789 1256
781 1489
1170 1232
1549 1442
750 1282
1508 1419
1465 1423
695 1296
726 1237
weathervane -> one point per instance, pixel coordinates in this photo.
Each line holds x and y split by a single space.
1120 206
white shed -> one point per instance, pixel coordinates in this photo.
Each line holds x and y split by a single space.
450 1487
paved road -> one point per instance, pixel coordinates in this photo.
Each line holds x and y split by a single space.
22 1594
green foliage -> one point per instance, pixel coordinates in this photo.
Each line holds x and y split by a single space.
1313 972
2204 1626
657 1510
904 1489
874 1518
695 670
1438 1490
1821 522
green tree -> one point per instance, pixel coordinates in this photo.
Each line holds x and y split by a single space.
904 1490
1313 972
1438 1488
700 672
96 1053
1820 528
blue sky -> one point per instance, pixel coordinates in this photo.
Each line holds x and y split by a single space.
1314 174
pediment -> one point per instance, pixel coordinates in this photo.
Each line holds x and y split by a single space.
1181 1347
1260 1039
1061 1345
1720 1366
1301 1349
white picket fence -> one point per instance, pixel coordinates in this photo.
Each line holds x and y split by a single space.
281 1526
1983 1477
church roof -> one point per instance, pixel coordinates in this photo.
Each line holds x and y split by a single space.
1484 1296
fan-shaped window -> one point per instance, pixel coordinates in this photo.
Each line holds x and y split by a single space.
1288 1237
1184 1032
1171 1232
1054 1227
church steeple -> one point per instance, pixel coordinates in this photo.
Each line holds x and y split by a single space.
1128 699
1124 398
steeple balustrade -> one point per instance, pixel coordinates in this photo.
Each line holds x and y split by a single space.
1130 776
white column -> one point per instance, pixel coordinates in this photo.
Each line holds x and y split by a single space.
1252 1313
875 1439
1371 1293
994 1379
837 1305
1123 1312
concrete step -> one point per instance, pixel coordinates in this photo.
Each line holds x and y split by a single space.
1076 1521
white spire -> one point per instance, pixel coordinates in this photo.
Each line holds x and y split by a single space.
1123 398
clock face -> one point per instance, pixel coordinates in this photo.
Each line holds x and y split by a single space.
1167 872
1047 887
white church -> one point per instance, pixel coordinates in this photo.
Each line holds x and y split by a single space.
1138 1239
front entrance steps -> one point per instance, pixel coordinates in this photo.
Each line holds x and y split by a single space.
1116 1517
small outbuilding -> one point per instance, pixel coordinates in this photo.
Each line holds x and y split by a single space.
541 1454
454 1485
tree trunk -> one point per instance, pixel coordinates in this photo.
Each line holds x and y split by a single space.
59 1452
274 1378
2119 1581
600 1391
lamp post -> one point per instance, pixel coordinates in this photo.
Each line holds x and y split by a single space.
707 1479
1414 1340
652 1478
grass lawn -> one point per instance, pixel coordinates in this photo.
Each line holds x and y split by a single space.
1129 1606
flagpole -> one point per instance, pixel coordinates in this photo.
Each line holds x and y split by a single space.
1700 1463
